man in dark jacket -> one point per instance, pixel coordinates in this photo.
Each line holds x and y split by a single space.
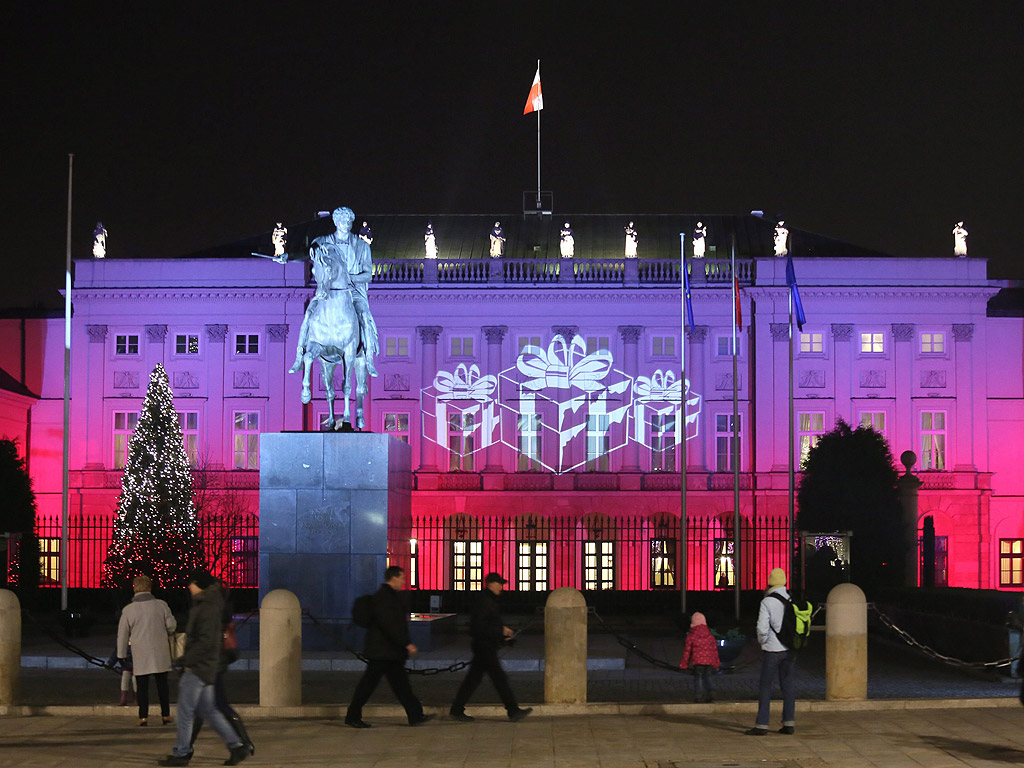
387 647
204 639
488 634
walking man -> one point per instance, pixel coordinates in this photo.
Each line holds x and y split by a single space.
775 657
203 642
145 625
387 647
488 634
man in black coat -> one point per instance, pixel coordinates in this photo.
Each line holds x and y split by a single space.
387 647
488 634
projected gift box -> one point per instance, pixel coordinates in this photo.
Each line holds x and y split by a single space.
460 412
658 410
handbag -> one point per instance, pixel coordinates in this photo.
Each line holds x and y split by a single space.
230 638
177 645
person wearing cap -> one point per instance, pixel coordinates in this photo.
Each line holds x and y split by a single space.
488 635
386 649
776 659
203 642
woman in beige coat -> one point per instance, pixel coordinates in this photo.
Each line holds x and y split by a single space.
146 624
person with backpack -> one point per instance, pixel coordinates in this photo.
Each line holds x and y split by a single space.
776 658
387 647
700 654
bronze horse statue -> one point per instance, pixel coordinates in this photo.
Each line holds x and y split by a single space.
333 337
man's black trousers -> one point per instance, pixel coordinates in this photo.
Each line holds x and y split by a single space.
397 678
485 661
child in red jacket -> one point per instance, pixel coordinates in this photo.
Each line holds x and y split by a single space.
700 654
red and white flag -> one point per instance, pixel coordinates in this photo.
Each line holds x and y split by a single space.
535 101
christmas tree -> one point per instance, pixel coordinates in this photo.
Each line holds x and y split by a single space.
156 531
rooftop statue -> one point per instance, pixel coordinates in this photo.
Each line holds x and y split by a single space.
959 240
632 238
497 241
781 239
279 239
699 240
566 242
429 242
99 241
366 233
338 327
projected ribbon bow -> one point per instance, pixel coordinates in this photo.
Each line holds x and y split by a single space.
661 395
564 366
465 384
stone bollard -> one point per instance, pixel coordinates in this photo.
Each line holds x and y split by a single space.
280 650
846 644
565 647
10 648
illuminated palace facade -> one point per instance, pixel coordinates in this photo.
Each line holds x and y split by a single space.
542 395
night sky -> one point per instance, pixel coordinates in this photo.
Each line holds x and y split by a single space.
879 123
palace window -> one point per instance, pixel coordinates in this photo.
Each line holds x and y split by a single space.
663 346
49 560
873 419
529 442
1011 562
663 563
414 564
810 428
933 440
189 423
467 565
595 343
598 442
460 442
532 566
663 442
726 433
462 346
243 566
725 563
397 424
598 564
126 344
528 341
811 343
933 343
396 346
723 346
125 423
872 343
246 440
247 343
186 344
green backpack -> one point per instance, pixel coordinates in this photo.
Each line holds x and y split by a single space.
796 622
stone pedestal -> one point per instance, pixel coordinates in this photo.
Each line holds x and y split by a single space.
565 647
846 644
333 506
10 648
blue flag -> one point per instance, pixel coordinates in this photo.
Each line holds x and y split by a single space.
798 307
686 297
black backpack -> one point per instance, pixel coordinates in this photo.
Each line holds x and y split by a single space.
796 622
362 611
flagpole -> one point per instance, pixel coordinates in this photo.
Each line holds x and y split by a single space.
683 391
65 491
792 443
735 439
538 146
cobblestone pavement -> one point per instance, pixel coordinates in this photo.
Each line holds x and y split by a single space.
939 738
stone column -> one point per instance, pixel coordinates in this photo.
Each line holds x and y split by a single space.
156 336
95 455
780 396
630 361
495 334
960 436
10 648
902 384
565 647
280 650
217 420
909 485
846 644
696 449
429 334
277 372
842 358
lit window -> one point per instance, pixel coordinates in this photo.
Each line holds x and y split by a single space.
873 419
811 342
663 442
933 343
663 346
598 442
467 565
396 346
186 344
663 563
599 565
529 442
725 435
595 343
397 424
1011 562
414 564
725 563
532 566
462 346
247 344
810 428
243 563
933 440
460 442
528 341
872 343
247 440
49 560
124 427
126 344
189 423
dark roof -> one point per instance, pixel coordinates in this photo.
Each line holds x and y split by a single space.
1009 302
10 384
400 236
